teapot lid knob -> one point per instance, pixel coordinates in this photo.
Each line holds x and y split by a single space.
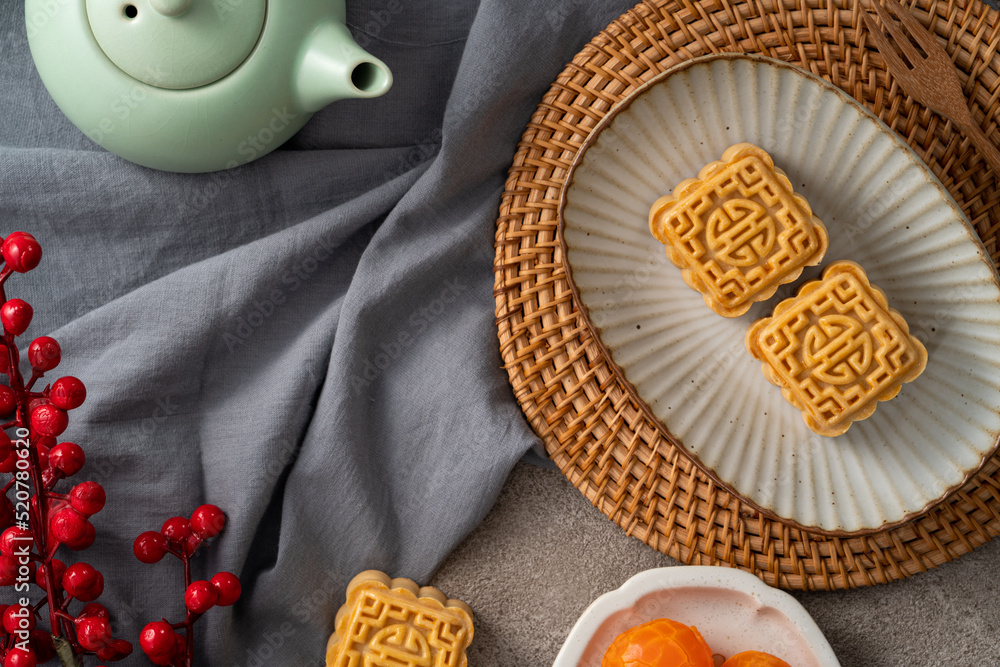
170 7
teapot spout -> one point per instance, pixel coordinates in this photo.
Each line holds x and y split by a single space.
333 67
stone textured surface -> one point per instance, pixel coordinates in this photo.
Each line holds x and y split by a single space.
544 553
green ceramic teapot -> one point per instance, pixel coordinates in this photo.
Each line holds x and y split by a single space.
197 85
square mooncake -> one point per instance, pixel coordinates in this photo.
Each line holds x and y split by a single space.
738 231
836 349
393 623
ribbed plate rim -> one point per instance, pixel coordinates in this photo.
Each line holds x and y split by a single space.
618 372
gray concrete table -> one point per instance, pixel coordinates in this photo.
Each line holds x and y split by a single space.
544 553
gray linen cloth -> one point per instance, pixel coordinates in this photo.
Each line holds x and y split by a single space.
307 342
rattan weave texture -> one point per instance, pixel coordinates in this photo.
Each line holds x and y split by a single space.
590 426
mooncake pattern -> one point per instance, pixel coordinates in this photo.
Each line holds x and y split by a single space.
393 623
738 231
837 349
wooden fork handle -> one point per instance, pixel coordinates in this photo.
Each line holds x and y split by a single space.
990 152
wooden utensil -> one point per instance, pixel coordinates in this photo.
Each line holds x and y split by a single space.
930 77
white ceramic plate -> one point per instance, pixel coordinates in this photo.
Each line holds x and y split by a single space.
883 208
732 609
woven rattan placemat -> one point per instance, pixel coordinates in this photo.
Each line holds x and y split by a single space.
591 428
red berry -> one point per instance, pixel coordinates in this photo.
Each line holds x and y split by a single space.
44 353
11 570
67 458
157 640
18 657
35 402
41 644
150 547
58 571
43 455
208 521
68 393
88 498
68 525
116 650
8 399
191 543
94 592
228 585
6 512
17 617
14 537
95 609
15 315
9 464
93 632
180 647
176 529
86 540
49 420
201 596
164 660
83 582
6 445
21 252
8 570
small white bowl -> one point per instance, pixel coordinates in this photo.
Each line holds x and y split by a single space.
732 609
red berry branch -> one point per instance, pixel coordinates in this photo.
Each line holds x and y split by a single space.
181 537
40 519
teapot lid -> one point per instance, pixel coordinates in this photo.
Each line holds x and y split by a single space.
177 44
